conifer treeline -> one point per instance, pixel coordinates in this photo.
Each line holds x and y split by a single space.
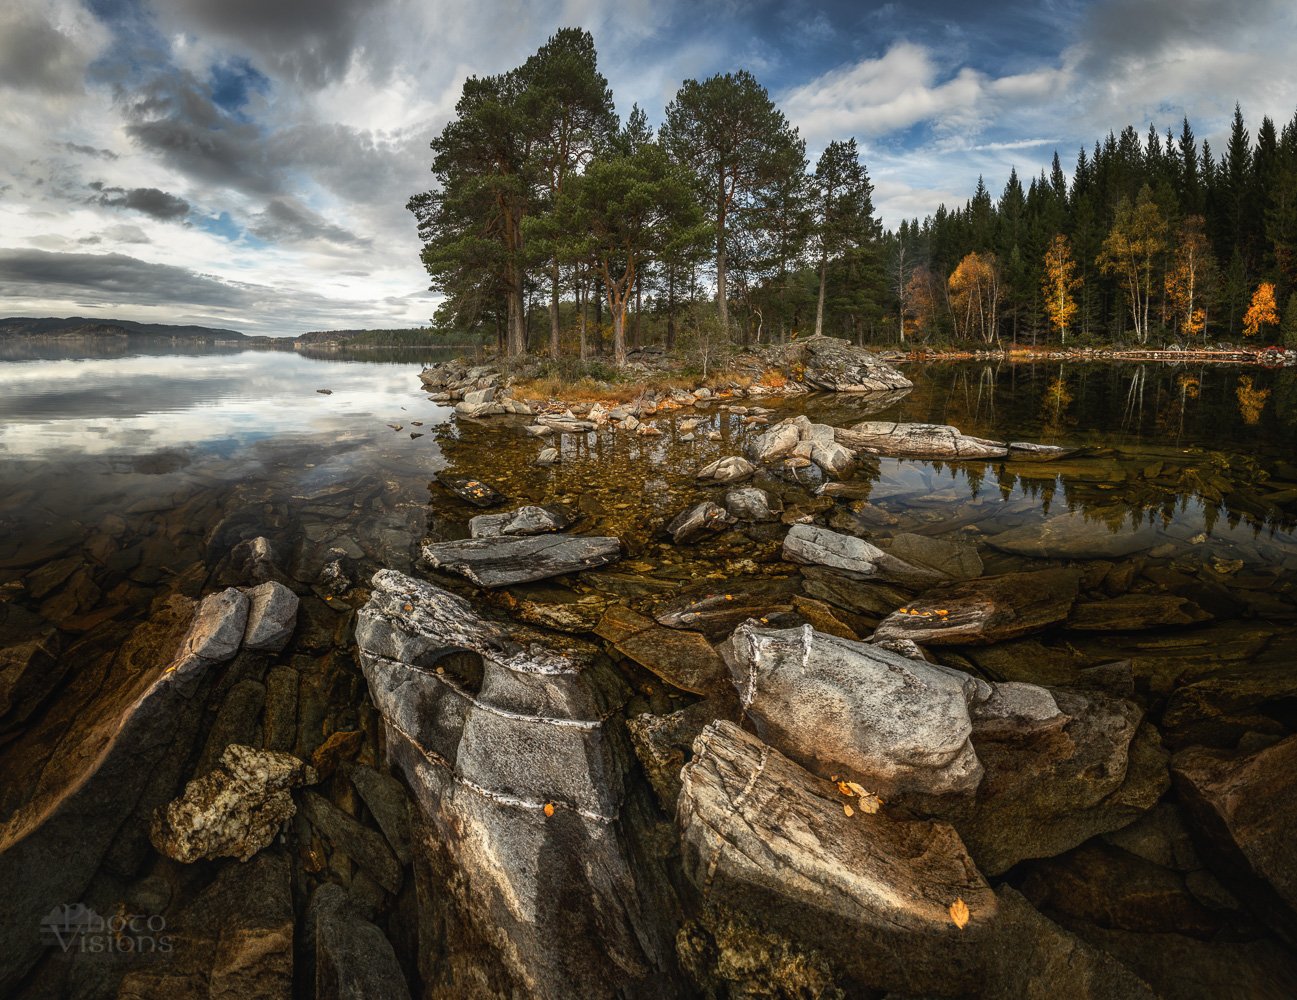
556 226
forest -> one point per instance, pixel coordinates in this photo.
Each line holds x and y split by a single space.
556 227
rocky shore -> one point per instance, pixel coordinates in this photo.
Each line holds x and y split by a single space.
787 746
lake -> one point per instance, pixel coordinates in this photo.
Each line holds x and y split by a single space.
127 479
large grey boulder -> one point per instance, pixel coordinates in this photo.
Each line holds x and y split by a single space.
900 440
504 735
272 616
750 503
892 723
507 559
219 625
234 810
527 520
764 839
839 366
816 546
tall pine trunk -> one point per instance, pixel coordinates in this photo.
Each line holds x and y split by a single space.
553 309
819 305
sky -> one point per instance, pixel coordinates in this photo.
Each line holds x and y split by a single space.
246 163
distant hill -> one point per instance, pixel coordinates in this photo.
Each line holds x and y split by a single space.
76 327
372 338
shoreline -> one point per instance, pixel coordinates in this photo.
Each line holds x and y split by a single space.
1265 357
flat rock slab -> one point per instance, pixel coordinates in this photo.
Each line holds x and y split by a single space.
765 838
987 610
528 520
684 660
851 708
505 560
840 366
473 491
1075 536
1133 612
898 440
815 546
1244 808
951 559
716 613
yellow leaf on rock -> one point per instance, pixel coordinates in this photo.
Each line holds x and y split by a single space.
549 808
845 788
869 802
959 913
848 810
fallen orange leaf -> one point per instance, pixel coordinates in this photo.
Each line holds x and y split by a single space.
959 913
549 809
848 810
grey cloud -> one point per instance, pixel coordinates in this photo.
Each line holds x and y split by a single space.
310 41
1114 31
174 117
34 55
103 154
150 201
284 220
110 279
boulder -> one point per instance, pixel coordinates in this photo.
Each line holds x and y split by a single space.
234 810
358 842
750 503
715 613
880 437
778 441
1075 535
528 520
765 839
891 723
219 626
833 458
698 522
506 559
816 546
272 616
1243 808
503 736
733 469
840 366
1219 709
987 610
548 456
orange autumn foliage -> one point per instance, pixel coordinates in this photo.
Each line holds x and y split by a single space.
1058 284
1192 269
1262 312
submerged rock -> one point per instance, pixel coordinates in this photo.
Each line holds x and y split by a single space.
473 491
505 737
353 958
234 810
892 723
698 522
683 659
1131 612
1244 809
527 520
1075 536
750 503
767 840
986 610
506 559
882 437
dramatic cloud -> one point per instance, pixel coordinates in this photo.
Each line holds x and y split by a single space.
150 201
246 163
